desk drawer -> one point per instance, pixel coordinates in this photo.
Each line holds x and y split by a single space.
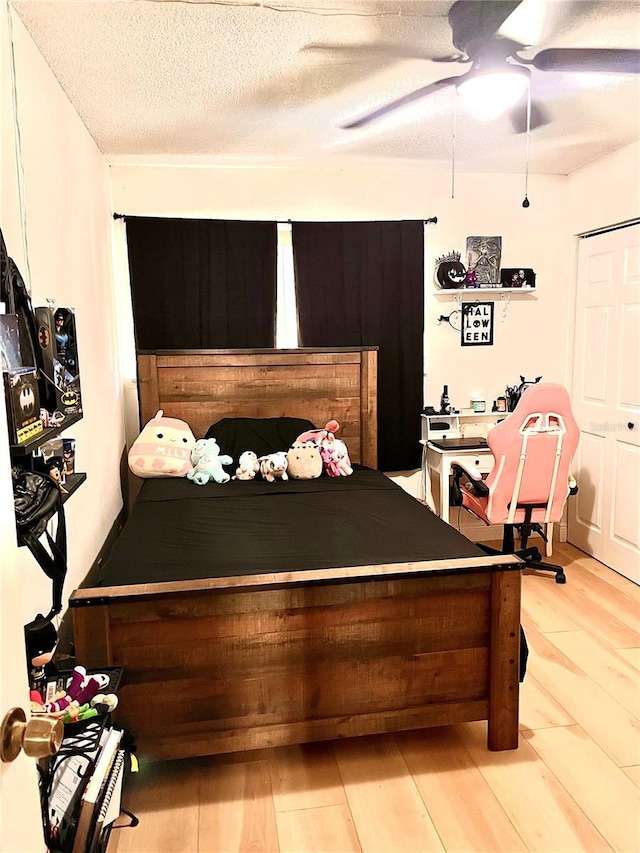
482 462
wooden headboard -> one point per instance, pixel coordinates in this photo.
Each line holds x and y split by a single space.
202 386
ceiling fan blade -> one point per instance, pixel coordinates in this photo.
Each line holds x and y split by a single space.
411 98
588 59
518 117
471 20
526 24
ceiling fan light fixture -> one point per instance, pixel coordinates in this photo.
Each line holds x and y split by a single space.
488 94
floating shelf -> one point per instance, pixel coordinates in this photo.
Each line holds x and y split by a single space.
29 446
73 482
474 291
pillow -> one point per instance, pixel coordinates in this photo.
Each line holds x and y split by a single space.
262 435
163 448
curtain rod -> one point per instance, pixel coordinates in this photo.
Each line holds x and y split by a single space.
432 220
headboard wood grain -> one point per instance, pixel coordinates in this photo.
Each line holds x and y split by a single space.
202 386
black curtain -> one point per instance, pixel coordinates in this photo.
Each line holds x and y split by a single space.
199 284
362 284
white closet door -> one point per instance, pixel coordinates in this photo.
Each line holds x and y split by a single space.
604 518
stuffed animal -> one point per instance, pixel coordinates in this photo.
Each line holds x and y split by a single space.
273 466
248 466
304 461
333 451
335 457
163 448
316 435
207 463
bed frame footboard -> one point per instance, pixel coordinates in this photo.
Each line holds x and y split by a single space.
209 671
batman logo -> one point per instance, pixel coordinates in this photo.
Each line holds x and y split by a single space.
27 400
44 337
69 398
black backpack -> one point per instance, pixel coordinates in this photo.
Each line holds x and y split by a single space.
36 500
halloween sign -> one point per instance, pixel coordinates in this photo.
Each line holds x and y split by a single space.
477 324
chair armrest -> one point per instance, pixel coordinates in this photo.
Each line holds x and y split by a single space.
474 483
463 469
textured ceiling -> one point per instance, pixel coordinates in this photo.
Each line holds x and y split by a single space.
241 82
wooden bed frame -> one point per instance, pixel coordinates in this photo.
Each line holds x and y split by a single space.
238 663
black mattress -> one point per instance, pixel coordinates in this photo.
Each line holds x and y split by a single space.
178 530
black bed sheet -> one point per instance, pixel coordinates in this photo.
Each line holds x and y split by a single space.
178 530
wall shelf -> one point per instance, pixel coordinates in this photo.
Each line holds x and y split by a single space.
51 432
22 454
72 482
477 291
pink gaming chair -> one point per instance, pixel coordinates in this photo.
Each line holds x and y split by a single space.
530 481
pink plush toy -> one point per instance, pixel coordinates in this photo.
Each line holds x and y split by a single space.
335 456
163 448
333 451
316 435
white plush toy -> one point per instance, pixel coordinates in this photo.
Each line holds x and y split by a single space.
207 463
273 466
248 466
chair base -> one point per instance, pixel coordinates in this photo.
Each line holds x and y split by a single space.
532 560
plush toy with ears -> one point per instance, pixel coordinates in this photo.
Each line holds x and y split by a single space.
273 466
248 466
335 456
333 451
316 435
207 463
304 461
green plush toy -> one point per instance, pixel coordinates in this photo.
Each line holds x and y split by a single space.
304 461
207 463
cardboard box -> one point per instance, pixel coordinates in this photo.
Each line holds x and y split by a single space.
57 338
23 404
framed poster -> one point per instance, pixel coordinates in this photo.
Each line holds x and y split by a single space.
477 324
483 257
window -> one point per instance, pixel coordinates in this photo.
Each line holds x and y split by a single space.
286 312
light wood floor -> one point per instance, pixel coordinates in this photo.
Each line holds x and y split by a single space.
573 784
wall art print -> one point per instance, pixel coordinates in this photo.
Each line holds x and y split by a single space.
477 324
483 258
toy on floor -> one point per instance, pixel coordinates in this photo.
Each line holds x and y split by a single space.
248 466
207 463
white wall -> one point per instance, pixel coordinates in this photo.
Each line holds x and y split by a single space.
530 340
605 192
68 229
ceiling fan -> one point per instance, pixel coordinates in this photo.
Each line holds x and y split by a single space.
478 31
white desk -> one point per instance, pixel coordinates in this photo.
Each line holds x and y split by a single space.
435 459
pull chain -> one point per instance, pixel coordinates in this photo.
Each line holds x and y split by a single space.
526 202
453 143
